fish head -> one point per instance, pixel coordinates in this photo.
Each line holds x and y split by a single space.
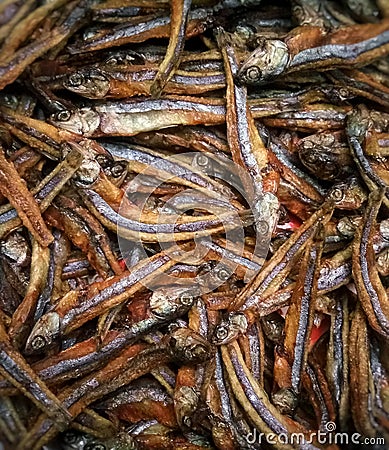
90 83
265 63
44 333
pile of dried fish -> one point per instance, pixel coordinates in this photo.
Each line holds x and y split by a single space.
194 231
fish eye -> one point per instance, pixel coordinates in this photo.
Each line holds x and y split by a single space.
262 227
70 437
95 447
76 79
63 116
186 420
223 274
355 5
337 194
186 300
253 73
221 332
344 93
117 170
307 144
299 12
38 342
104 160
201 160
